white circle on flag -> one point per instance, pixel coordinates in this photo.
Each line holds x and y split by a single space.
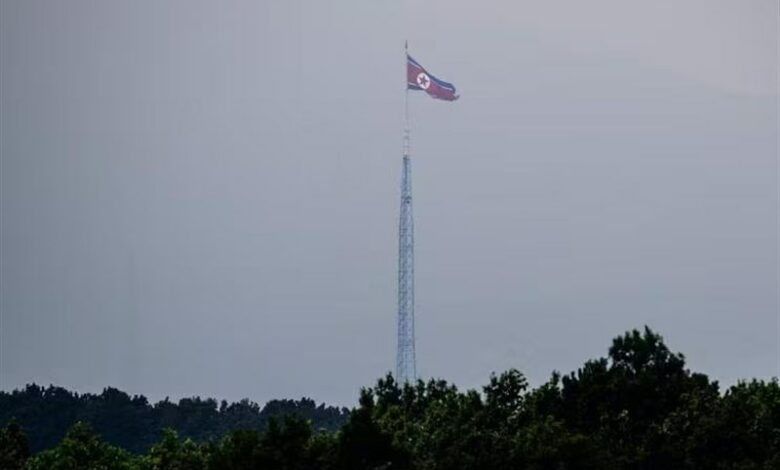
423 80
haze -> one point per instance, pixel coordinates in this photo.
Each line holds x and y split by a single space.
201 198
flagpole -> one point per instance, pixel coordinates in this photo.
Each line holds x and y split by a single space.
406 361
406 100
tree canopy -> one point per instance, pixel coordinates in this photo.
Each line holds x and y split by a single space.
134 424
637 408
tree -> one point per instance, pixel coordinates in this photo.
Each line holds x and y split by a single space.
240 450
638 408
14 451
81 449
285 445
172 454
625 400
362 444
134 424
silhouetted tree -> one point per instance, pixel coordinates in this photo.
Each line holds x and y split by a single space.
81 449
14 451
134 424
638 408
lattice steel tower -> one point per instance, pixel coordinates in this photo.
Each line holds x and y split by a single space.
405 362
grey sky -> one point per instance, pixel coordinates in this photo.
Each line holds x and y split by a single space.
202 197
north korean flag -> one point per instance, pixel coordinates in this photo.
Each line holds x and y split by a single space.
417 78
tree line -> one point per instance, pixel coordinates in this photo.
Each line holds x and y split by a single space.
134 424
637 408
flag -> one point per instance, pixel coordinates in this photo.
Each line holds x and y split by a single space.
417 78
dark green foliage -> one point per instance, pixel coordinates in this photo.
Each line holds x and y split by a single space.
13 447
133 424
240 450
631 399
173 454
363 444
638 408
81 449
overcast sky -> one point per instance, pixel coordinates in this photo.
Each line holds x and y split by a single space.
201 198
